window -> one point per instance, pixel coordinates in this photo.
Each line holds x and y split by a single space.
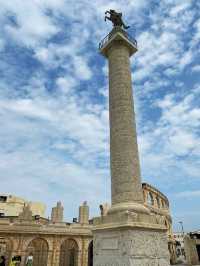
158 202
150 199
3 198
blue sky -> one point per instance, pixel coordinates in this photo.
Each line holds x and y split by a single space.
54 137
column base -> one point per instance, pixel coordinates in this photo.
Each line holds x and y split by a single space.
130 247
128 238
129 206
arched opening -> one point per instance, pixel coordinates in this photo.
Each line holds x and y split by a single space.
158 201
150 199
38 250
90 254
6 247
198 251
167 224
69 253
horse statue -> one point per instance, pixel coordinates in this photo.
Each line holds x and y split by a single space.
116 19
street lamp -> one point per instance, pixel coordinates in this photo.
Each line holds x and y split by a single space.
182 229
182 249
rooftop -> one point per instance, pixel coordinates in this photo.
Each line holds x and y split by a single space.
118 33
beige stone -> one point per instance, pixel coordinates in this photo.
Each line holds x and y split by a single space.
126 185
50 244
130 247
190 246
57 213
26 214
15 236
130 233
84 213
11 205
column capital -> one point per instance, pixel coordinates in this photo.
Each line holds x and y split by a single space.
117 35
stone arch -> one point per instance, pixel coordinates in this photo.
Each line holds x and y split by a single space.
163 203
90 253
150 199
28 240
166 224
6 248
69 252
38 248
158 201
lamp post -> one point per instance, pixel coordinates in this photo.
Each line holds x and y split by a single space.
182 247
182 229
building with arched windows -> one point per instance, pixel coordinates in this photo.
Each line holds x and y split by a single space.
11 205
158 204
53 242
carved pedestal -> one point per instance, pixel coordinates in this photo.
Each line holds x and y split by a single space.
129 247
130 239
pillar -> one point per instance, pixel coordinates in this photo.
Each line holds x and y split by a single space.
85 244
126 187
125 169
128 235
84 213
55 256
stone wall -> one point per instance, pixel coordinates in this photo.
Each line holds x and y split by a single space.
45 242
158 203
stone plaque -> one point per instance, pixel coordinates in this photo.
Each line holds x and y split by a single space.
109 243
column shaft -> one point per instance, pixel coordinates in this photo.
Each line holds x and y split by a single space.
125 169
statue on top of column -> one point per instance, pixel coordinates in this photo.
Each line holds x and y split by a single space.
116 19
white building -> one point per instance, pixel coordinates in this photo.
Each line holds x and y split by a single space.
11 206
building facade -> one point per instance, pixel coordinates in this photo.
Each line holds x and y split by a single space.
11 206
49 241
158 204
53 242
192 247
180 249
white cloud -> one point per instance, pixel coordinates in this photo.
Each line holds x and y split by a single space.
186 59
81 68
33 26
26 107
196 35
196 68
179 8
65 84
46 131
173 142
43 55
183 142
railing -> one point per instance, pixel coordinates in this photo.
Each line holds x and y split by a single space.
109 36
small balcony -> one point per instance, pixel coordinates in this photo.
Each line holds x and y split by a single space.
117 30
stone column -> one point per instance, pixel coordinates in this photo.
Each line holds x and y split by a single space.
49 258
125 169
128 234
84 213
85 244
56 251
126 184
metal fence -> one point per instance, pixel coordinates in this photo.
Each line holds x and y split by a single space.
109 36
